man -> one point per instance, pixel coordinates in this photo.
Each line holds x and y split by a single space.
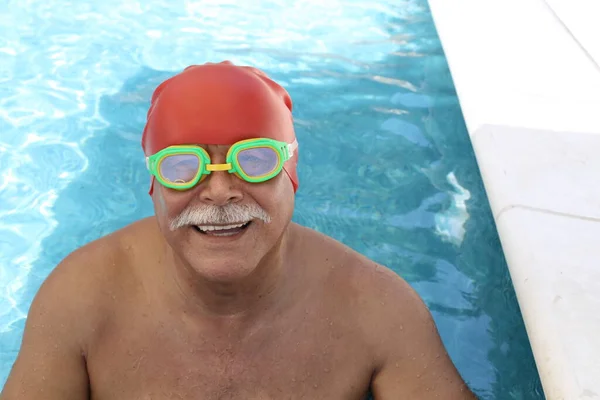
220 296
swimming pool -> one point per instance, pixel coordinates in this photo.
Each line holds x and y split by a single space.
386 165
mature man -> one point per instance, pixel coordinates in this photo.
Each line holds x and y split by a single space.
220 295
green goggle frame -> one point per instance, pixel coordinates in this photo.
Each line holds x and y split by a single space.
236 162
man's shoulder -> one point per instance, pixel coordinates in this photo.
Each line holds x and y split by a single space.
383 293
379 295
375 284
107 253
81 283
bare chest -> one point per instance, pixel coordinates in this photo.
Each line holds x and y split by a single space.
310 359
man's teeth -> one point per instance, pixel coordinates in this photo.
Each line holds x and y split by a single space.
210 228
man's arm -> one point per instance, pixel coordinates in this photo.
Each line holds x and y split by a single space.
413 363
51 364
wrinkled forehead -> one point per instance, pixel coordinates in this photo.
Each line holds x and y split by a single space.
215 149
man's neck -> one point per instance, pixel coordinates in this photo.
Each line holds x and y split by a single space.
241 299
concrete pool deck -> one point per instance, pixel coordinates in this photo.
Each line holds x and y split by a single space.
527 74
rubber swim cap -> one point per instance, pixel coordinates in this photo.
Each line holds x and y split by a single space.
219 104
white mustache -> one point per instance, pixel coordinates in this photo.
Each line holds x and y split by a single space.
219 215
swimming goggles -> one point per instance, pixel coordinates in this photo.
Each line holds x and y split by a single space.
181 167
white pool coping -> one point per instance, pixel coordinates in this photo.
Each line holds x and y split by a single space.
527 73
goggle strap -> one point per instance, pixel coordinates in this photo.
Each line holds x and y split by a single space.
291 148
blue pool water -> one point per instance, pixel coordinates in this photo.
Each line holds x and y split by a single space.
385 164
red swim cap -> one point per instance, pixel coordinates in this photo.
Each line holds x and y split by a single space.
219 104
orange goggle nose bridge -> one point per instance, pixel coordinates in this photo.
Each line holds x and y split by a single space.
218 167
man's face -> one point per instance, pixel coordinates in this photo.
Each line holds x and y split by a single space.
224 255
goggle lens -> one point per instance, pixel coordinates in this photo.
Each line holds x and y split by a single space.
258 161
179 168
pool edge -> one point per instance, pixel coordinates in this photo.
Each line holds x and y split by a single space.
529 97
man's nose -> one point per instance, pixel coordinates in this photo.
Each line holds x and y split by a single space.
220 188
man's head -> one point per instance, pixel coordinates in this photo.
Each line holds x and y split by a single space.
221 147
